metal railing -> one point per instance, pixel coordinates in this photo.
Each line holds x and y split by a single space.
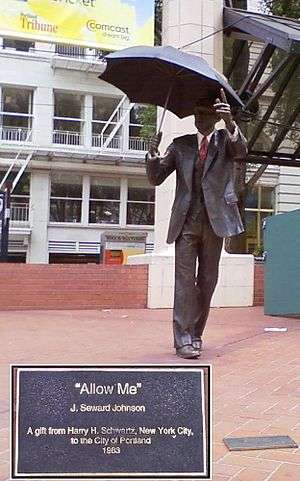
98 140
15 134
19 212
70 50
134 143
138 143
65 137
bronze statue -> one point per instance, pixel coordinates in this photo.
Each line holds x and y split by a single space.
204 212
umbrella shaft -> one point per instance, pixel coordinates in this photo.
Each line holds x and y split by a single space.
165 107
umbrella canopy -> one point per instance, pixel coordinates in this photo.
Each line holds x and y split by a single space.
151 75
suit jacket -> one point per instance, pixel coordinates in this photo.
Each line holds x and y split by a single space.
217 180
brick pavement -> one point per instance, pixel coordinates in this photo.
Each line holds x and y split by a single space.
256 375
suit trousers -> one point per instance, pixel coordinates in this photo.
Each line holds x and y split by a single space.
197 255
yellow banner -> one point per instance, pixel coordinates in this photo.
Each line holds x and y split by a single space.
107 24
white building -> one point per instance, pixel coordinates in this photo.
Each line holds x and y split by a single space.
83 141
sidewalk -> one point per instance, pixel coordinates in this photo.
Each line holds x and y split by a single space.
256 375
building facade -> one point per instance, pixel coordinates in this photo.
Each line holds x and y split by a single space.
84 145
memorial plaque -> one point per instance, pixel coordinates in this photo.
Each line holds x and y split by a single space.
259 442
110 421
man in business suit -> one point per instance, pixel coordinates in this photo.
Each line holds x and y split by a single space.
204 212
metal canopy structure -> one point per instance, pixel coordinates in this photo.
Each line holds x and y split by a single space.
263 65
281 32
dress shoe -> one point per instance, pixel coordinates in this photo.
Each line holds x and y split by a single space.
197 344
187 352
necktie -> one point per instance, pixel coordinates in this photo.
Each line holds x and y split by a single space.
203 149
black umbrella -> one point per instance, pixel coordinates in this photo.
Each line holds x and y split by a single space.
167 77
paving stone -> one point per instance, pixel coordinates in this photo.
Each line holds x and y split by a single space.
225 469
219 450
248 461
286 472
254 390
221 478
248 474
283 455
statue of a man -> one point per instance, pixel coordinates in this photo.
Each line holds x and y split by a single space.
204 212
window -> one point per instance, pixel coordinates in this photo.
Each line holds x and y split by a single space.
20 198
140 203
16 114
103 108
142 126
104 201
19 45
66 198
259 205
68 124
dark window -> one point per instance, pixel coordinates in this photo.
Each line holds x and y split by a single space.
104 201
66 198
68 124
19 45
16 115
259 205
140 203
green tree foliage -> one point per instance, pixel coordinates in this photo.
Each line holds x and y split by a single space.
158 22
286 105
282 8
148 120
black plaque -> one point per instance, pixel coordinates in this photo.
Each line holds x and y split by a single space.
110 421
259 442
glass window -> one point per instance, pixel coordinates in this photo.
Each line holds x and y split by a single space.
67 109
23 186
141 191
16 116
67 105
104 212
252 199
140 202
105 189
66 185
142 126
19 45
136 114
104 201
14 121
103 107
267 198
62 210
66 198
259 205
20 198
17 100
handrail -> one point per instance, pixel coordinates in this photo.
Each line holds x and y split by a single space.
9 170
110 120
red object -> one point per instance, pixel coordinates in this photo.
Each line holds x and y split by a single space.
203 149
113 257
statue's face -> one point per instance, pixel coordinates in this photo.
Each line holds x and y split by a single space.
205 120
